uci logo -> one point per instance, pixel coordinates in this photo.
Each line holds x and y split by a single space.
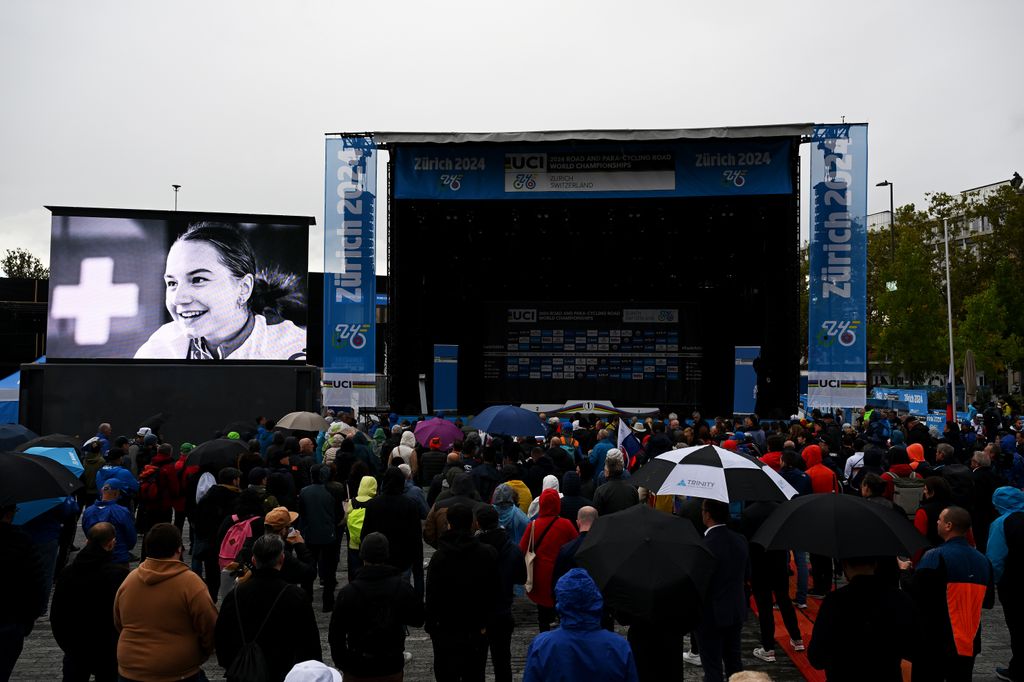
525 162
522 314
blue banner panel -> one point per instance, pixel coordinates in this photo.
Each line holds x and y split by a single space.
593 171
837 343
446 377
916 400
744 385
349 255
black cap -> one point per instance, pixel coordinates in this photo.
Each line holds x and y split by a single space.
374 548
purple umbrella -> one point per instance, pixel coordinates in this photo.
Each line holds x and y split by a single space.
440 428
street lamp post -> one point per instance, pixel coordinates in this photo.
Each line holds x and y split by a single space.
176 188
892 220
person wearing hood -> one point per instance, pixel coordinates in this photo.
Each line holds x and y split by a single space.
405 451
462 492
115 469
413 491
513 479
85 590
918 460
354 521
615 494
457 612
322 512
512 570
580 650
397 518
164 614
510 516
1008 459
486 476
107 510
550 483
545 535
1006 552
572 500
823 480
899 468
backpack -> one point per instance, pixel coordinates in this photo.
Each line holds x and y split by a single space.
569 445
237 534
250 665
377 624
149 486
906 493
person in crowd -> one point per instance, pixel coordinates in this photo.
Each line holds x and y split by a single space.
769 581
935 497
322 512
580 650
107 509
45 532
114 468
86 590
823 480
572 500
544 536
280 481
871 612
22 588
538 468
413 491
268 610
950 586
600 450
368 626
457 617
513 479
397 517
405 452
1006 553
510 516
462 492
163 602
872 489
899 469
983 513
299 567
168 486
355 519
92 462
550 482
250 459
486 475
615 494
217 505
725 608
258 484
512 570
961 482
230 309
773 457
566 559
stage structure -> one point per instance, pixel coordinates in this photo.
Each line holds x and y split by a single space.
622 266
200 317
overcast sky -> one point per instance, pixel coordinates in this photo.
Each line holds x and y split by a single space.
109 103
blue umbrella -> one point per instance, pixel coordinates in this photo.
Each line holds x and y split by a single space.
66 456
508 420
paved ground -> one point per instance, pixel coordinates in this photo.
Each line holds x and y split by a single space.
41 659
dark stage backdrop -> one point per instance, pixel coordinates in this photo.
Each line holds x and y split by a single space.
196 399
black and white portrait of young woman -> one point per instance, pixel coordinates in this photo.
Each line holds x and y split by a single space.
170 286
222 305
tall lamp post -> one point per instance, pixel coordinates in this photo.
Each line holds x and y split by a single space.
176 188
892 220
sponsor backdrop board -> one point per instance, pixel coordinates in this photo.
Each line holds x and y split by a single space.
177 286
635 351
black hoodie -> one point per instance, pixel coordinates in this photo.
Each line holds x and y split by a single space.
398 518
463 586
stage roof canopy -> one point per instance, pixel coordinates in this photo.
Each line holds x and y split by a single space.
782 130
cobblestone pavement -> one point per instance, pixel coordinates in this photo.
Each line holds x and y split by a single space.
41 658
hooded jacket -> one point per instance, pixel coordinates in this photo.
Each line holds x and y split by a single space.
550 482
120 517
398 518
166 619
572 500
1006 537
580 649
356 517
550 532
823 479
510 516
406 451
454 605
464 492
85 594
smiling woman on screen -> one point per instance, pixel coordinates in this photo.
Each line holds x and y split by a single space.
221 305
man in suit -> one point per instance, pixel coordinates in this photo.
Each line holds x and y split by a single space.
725 608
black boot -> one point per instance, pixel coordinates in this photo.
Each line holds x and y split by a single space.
328 600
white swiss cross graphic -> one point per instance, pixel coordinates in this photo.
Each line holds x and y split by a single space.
94 301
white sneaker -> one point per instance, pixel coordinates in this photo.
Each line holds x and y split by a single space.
407 656
797 644
765 655
800 604
691 658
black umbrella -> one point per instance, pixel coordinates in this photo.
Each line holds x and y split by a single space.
13 435
53 440
156 422
839 526
25 477
648 564
217 454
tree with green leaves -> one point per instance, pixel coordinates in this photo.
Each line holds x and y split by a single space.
22 264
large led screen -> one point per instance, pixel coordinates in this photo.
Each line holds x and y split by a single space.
176 286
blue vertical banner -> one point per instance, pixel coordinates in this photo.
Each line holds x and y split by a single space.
837 343
744 384
349 272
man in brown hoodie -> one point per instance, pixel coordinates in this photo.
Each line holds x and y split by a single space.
164 614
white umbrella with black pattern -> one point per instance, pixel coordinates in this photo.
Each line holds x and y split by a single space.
713 473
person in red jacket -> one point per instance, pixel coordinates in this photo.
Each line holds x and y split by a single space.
773 457
899 465
168 485
548 532
823 480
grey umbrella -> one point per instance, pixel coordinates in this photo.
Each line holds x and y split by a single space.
302 421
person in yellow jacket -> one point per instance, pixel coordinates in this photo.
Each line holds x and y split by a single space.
354 520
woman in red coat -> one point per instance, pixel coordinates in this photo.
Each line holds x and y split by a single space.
549 532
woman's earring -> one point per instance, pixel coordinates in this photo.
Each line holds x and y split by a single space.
241 302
